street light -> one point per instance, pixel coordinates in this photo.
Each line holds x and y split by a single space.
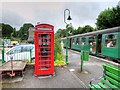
69 18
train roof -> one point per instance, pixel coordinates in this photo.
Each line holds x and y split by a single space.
104 31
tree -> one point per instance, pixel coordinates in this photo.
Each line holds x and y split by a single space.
109 18
6 30
75 31
61 33
71 31
13 34
23 32
87 28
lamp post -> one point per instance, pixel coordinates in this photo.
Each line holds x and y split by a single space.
69 18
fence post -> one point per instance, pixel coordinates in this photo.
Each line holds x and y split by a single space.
3 61
30 56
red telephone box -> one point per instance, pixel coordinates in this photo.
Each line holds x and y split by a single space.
44 49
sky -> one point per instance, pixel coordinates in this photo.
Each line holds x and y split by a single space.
82 13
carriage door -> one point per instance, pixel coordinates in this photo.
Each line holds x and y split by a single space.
44 49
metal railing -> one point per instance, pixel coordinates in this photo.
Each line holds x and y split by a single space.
16 54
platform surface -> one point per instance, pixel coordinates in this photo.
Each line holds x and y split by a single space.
66 77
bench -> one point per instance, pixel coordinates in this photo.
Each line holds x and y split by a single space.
109 80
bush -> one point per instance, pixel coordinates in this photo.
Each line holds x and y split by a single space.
57 45
59 63
58 53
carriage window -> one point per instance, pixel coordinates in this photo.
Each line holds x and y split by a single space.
110 41
91 40
77 41
73 40
83 41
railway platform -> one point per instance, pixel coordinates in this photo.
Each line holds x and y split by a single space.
68 76
91 68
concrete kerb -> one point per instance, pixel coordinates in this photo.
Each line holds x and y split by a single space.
79 80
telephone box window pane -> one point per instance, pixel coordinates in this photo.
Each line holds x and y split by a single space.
44 28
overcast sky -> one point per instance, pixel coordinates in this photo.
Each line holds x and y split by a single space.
82 13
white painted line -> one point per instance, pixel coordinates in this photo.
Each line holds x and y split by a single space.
79 80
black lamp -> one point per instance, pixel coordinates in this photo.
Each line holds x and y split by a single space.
69 18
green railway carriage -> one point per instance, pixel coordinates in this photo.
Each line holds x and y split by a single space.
80 43
75 44
98 42
112 50
87 43
84 43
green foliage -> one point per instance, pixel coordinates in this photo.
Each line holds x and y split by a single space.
10 32
59 63
23 32
13 34
71 31
59 56
15 39
58 51
109 18
6 30
57 46
87 28
62 32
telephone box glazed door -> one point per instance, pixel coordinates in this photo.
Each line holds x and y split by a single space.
44 49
